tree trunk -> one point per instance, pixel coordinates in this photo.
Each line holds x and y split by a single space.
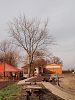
30 65
29 70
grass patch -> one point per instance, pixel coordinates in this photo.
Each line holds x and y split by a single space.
9 92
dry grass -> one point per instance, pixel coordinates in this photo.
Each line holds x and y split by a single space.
68 83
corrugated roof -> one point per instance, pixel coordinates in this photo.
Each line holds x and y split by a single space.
8 68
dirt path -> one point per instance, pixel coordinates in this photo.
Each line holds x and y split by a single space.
58 92
68 83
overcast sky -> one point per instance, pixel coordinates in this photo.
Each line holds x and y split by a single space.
61 16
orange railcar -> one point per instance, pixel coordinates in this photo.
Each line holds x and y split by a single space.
55 68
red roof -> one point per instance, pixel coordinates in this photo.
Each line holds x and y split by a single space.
8 68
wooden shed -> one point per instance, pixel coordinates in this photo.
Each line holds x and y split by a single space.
54 68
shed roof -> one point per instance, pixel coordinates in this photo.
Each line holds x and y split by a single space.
8 68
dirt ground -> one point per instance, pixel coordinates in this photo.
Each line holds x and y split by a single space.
67 83
5 83
42 94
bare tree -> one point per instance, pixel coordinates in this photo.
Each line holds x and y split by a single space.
3 48
40 63
56 60
11 57
8 54
31 35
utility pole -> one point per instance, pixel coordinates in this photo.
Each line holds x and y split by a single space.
4 68
4 62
